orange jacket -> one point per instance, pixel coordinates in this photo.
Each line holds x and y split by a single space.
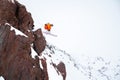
48 26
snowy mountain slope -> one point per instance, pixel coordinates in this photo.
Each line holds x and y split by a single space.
87 68
55 55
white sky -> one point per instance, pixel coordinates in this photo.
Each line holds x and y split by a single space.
90 27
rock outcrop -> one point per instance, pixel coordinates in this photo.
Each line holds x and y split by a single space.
16 61
39 42
60 68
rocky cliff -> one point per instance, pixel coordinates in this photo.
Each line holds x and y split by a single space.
18 42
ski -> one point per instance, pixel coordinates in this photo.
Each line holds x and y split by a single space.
48 33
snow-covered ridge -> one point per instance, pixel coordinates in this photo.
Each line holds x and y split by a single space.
16 30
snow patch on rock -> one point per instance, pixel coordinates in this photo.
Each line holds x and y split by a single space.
1 78
16 30
33 53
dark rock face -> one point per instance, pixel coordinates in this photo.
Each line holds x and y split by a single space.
16 15
25 21
16 62
39 42
61 68
7 12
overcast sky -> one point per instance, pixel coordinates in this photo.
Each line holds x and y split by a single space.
88 27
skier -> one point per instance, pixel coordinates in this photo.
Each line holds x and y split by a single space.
48 26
